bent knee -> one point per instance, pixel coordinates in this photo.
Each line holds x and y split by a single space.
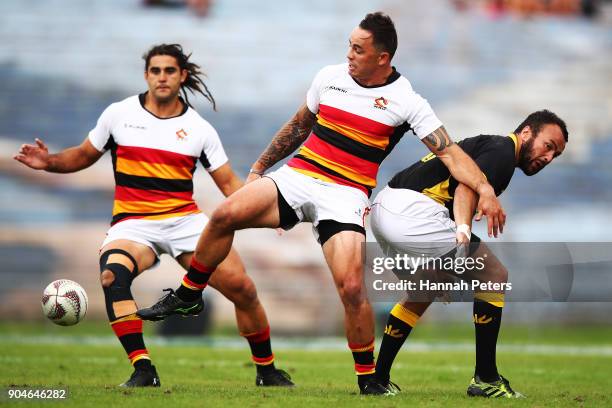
107 278
224 217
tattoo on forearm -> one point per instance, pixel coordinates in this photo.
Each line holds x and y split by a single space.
439 139
288 138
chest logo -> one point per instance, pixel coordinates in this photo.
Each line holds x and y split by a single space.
381 103
181 134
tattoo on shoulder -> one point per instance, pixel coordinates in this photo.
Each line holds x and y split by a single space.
439 139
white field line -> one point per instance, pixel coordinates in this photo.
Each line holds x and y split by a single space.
305 344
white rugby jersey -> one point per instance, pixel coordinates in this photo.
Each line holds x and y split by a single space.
358 126
154 158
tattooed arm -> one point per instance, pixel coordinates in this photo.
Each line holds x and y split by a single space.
286 140
465 171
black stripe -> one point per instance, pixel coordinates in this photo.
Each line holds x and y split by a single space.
342 142
397 135
121 216
152 183
331 172
204 160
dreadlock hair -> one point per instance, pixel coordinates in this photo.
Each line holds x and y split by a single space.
194 82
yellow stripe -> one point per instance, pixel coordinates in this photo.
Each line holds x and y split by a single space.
140 357
146 169
170 215
126 318
148 206
365 348
188 286
439 192
356 135
313 174
517 146
338 168
405 315
496 299
366 372
264 364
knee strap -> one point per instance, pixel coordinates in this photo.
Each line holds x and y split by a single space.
119 289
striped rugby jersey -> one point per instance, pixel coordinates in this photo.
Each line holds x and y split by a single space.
154 158
358 126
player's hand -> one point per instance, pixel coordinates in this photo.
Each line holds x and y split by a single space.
34 156
489 206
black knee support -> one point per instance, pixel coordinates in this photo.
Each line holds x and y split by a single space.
119 289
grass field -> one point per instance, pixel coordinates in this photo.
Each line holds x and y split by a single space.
553 366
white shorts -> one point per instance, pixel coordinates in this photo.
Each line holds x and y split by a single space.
172 236
408 222
315 200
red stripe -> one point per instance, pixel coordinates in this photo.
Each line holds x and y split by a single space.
156 156
356 346
137 353
357 122
343 157
364 368
201 268
136 194
191 283
297 163
127 327
259 337
264 359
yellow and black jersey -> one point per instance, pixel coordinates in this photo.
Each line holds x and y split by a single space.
495 155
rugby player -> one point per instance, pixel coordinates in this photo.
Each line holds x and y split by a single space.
425 204
355 113
156 139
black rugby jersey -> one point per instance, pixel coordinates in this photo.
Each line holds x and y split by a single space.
495 155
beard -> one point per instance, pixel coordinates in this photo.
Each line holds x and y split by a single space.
525 159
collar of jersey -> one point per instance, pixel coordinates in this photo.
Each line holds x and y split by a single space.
517 146
141 99
390 79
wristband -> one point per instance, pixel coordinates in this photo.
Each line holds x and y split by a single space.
465 229
259 173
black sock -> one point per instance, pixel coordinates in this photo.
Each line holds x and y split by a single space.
363 355
398 328
261 350
487 320
194 281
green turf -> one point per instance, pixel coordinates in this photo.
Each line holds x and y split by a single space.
203 376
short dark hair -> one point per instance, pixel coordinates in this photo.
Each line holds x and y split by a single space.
194 82
540 118
383 31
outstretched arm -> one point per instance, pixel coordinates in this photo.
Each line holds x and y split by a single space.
286 140
69 160
465 171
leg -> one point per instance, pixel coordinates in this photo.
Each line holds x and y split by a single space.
343 255
402 318
231 280
120 261
253 206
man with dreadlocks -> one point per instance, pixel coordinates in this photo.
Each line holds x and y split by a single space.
155 140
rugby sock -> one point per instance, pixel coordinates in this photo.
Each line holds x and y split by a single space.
128 330
194 281
487 320
363 354
398 328
261 350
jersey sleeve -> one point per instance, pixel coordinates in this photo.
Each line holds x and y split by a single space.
100 135
213 155
313 96
420 115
